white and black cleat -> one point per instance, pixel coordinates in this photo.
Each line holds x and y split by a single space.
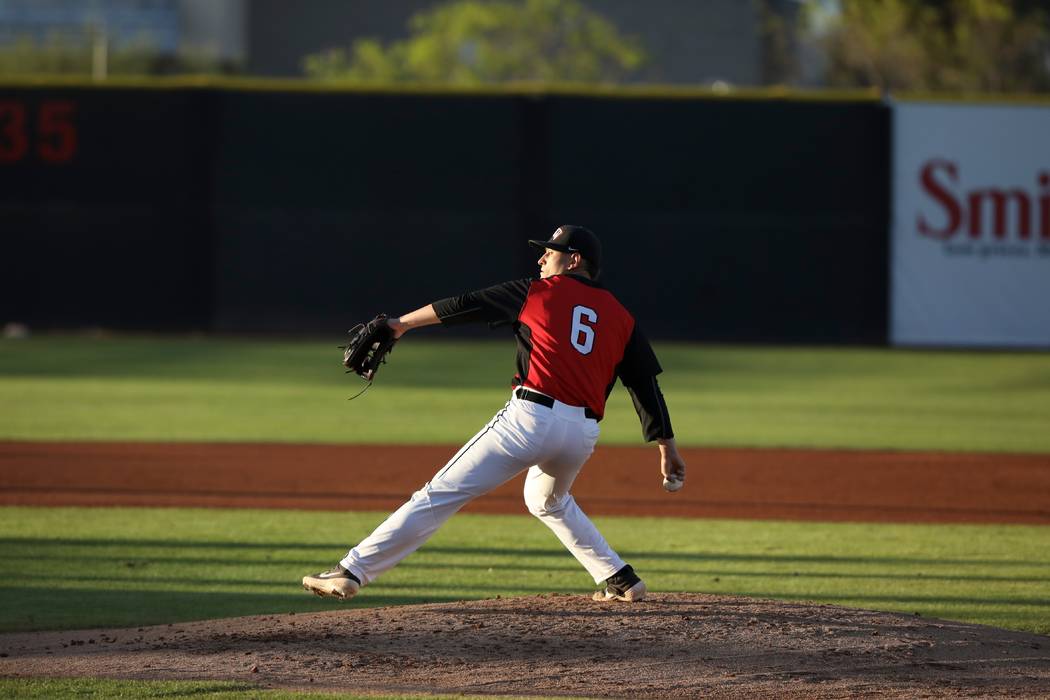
624 586
334 583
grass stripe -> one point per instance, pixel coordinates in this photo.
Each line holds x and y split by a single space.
205 389
134 566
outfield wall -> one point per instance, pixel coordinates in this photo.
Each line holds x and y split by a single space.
303 210
104 204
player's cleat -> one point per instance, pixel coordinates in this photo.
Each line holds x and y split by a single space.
623 585
335 583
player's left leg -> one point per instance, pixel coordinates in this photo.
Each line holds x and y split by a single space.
547 496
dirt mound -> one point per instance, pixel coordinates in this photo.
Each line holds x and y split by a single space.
670 646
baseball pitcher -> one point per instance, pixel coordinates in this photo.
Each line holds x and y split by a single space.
574 340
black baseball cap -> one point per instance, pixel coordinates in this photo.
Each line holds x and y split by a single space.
574 239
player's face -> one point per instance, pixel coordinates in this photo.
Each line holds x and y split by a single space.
553 262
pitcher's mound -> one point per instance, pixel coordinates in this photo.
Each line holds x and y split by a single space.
671 645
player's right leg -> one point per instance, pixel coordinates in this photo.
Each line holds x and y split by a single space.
503 448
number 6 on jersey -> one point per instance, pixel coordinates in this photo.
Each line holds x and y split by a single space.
582 333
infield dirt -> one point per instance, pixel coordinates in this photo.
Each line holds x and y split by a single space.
820 485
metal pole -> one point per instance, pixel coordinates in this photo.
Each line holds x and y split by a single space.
99 53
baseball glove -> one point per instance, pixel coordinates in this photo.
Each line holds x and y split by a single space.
367 347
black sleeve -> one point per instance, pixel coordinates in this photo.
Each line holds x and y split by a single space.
638 371
501 302
652 411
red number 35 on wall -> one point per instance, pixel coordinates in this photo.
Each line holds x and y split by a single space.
55 132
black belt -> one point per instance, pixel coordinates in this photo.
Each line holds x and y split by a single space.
544 400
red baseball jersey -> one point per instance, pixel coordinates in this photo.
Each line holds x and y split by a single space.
578 334
574 339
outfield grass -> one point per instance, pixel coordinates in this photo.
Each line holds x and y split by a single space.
433 391
129 567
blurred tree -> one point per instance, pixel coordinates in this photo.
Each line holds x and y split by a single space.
990 46
470 42
939 45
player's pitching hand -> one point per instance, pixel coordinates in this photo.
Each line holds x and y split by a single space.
672 466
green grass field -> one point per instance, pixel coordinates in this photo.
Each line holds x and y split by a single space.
126 567
78 388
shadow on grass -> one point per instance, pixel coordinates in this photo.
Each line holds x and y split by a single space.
132 576
33 608
325 550
143 582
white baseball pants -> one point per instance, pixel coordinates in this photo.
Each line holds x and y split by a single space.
552 443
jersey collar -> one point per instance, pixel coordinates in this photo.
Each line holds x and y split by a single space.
579 278
585 280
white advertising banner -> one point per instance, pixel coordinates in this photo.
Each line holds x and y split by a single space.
971 225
